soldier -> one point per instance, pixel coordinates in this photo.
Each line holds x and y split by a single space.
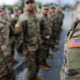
14 21
4 14
53 18
28 24
45 35
16 15
19 12
9 14
60 16
6 59
71 66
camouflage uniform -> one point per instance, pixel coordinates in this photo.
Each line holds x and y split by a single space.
6 60
14 21
29 26
60 18
52 17
9 15
45 34
52 25
55 25
71 66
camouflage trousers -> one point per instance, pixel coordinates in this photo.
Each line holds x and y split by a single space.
33 61
73 74
10 76
45 51
12 48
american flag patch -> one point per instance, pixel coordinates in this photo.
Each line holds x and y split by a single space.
17 25
72 43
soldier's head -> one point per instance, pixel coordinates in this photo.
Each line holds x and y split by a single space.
45 8
30 5
16 11
1 11
9 13
52 8
19 12
58 11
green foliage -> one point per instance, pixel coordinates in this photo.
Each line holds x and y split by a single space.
11 8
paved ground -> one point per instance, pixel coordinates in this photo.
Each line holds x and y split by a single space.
54 71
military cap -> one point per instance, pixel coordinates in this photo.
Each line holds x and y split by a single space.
53 6
15 8
2 8
20 11
45 6
58 8
28 1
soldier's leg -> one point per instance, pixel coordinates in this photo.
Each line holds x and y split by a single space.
49 45
11 76
9 62
45 51
30 61
38 62
54 41
44 56
12 51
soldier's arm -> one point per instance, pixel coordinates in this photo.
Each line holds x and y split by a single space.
12 32
20 37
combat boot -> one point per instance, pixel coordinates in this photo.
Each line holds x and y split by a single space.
39 78
54 49
20 54
58 38
44 67
57 43
48 65
15 61
59 35
50 56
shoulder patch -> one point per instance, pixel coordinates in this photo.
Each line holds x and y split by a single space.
17 25
73 43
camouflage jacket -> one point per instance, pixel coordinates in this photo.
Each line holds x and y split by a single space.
14 20
60 15
45 26
30 27
51 18
6 59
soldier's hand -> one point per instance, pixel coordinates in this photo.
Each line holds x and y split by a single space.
25 53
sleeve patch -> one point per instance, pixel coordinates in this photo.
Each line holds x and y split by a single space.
17 25
73 43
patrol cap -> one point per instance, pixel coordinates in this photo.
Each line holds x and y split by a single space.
15 8
20 11
45 6
53 6
28 1
2 8
59 9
